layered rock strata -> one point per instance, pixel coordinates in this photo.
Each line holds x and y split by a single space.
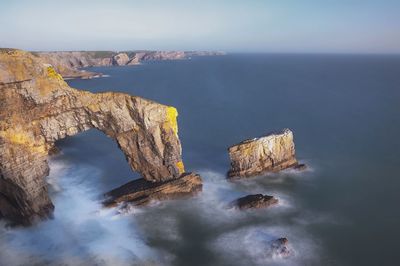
141 192
37 108
273 152
255 201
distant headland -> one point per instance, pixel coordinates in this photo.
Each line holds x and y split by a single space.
68 63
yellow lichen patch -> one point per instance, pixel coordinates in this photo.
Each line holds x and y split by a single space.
94 107
53 74
22 138
171 122
181 167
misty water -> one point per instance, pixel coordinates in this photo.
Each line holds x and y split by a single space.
345 114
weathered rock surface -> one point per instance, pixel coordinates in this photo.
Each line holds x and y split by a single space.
68 63
273 152
280 248
37 108
120 59
255 201
141 192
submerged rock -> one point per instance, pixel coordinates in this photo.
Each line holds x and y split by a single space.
255 201
300 167
141 192
280 248
37 108
271 153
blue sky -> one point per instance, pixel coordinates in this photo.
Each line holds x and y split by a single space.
318 26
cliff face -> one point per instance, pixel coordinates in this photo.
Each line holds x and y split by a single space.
68 63
270 153
37 108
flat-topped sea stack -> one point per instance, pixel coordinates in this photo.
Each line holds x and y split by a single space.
256 201
271 153
37 108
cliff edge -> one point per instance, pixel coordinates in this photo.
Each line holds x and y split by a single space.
38 108
68 64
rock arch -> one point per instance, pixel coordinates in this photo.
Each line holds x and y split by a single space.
38 108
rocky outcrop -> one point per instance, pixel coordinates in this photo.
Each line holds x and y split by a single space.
120 59
37 108
255 201
273 152
68 63
141 192
279 248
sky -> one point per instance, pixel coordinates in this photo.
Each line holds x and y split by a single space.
276 26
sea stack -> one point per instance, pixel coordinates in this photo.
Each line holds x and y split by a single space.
37 108
270 153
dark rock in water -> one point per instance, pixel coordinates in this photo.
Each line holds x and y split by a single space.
300 167
54 151
280 247
255 201
141 192
271 153
37 108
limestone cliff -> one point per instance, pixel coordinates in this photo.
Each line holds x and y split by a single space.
37 108
68 63
273 152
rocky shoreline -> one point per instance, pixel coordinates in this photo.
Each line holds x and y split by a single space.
68 63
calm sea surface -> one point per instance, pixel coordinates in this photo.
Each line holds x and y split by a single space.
345 115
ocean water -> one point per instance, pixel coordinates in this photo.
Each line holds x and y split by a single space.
344 111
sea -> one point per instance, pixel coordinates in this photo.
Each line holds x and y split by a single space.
344 111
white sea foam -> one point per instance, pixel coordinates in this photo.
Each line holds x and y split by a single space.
251 245
81 233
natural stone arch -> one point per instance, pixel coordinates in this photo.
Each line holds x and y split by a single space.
38 108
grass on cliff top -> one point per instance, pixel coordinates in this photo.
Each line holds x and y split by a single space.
102 54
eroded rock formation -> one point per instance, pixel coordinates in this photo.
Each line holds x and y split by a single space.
37 108
120 59
273 152
255 201
141 192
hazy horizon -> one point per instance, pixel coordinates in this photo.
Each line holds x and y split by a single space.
339 27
